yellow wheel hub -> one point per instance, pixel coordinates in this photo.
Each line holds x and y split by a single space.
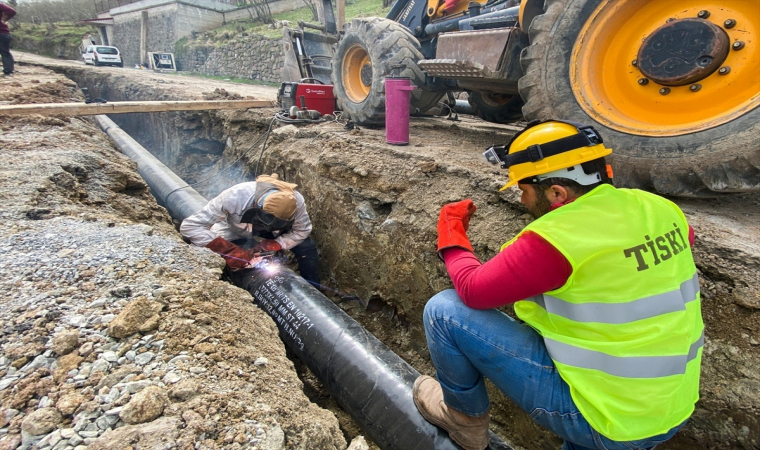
356 68
689 82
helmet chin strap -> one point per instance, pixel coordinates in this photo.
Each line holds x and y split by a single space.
574 173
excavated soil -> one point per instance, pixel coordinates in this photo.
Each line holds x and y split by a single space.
375 206
116 334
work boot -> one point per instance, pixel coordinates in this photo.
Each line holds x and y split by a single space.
471 433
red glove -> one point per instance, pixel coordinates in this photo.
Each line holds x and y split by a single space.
267 245
236 257
453 224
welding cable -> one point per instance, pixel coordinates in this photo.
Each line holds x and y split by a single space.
264 146
226 168
284 117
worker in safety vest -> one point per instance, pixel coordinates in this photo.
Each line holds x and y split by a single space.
234 223
604 279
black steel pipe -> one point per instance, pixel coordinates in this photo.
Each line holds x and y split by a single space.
373 384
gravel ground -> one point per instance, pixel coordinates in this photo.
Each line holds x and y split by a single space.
114 333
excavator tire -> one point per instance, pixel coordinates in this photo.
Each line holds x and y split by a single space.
692 135
371 49
498 108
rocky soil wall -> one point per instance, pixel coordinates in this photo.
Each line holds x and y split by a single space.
375 207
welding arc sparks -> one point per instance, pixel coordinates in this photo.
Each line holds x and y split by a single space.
264 264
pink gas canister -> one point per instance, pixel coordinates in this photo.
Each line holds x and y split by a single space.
398 91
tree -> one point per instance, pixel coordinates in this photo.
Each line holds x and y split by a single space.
260 8
310 4
53 11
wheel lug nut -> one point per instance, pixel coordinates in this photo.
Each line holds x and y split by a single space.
635 62
724 70
695 87
730 23
704 14
665 91
738 45
643 81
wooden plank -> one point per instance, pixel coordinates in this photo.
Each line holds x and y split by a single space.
91 109
341 10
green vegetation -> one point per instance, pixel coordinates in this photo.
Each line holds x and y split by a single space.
57 40
58 32
356 8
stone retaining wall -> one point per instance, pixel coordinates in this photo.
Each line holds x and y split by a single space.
251 57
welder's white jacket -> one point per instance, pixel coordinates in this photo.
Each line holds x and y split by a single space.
221 217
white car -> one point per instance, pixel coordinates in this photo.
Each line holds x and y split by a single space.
102 55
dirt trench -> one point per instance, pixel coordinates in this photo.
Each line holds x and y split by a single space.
374 207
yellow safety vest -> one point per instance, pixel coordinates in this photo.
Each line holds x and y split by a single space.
625 331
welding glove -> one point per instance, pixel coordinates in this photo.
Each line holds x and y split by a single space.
267 245
453 223
236 257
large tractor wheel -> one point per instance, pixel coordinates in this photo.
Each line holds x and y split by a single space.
672 85
498 108
372 49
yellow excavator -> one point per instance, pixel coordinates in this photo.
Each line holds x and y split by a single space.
673 86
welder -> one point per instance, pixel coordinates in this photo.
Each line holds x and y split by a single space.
266 215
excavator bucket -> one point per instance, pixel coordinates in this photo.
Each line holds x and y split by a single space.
307 55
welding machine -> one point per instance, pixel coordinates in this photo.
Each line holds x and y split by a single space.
313 96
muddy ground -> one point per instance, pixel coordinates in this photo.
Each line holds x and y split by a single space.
375 206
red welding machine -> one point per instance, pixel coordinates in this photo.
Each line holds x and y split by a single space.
318 97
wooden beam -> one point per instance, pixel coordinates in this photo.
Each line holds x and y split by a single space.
341 19
91 109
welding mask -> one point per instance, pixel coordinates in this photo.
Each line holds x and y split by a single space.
273 207
261 220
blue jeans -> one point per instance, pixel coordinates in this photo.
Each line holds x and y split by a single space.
5 53
468 344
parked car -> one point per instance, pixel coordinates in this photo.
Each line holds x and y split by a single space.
102 55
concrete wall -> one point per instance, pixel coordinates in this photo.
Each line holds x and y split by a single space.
192 18
279 6
251 57
162 32
149 4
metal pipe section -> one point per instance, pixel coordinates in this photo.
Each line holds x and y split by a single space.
442 26
463 107
497 16
373 384
170 191
496 19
